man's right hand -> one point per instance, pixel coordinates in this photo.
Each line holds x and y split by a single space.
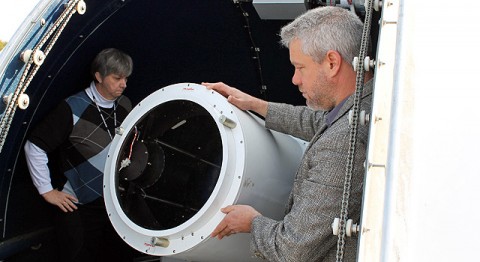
238 98
64 201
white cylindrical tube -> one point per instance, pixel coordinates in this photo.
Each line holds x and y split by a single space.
190 153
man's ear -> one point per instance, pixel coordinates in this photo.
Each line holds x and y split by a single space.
333 59
98 77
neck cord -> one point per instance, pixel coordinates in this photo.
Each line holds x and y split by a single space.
103 118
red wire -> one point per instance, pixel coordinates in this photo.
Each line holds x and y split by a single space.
131 145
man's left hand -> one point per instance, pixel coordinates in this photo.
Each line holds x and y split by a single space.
238 219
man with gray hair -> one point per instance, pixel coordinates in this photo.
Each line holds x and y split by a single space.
80 129
322 44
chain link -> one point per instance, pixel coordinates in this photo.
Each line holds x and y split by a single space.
353 132
28 75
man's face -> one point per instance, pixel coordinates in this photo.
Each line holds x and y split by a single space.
311 78
111 86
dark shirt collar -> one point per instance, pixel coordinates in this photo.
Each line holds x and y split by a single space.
333 113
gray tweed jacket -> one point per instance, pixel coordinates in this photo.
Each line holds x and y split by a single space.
305 233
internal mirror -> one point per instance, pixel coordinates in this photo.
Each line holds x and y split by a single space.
168 165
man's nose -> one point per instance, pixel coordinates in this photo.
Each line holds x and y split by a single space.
123 83
295 79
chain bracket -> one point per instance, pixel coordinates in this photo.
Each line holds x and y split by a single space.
350 228
34 59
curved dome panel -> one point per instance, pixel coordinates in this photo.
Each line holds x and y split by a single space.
181 155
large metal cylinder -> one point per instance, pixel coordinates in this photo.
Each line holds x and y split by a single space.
182 154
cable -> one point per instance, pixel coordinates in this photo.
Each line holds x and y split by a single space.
255 49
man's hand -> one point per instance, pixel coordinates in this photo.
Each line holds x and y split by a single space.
63 200
238 98
238 220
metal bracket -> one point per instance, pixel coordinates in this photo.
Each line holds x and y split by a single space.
350 228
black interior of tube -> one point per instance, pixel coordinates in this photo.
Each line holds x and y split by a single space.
174 157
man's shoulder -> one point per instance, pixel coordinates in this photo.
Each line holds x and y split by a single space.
124 102
78 102
80 97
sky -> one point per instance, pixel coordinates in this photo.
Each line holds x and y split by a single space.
12 15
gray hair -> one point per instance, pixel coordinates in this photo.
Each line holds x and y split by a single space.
112 61
323 29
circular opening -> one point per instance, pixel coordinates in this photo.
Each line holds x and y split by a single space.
168 165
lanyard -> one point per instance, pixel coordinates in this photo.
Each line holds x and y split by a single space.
103 118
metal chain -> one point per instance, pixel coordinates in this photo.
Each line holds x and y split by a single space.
28 75
353 132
